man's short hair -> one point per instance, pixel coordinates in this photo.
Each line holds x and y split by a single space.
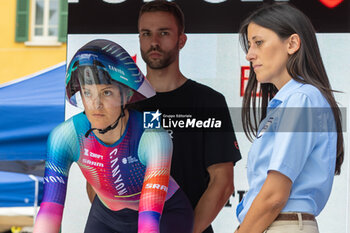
165 6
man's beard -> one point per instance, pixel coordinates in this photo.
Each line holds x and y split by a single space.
163 62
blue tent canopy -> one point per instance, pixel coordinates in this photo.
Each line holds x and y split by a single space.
29 110
19 189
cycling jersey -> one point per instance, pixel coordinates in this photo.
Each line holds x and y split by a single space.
132 173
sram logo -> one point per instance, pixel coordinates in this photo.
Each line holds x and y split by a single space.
157 186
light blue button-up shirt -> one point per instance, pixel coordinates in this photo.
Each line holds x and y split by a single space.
297 138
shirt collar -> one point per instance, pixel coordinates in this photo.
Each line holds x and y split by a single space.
285 91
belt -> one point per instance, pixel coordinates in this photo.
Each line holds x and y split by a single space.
294 217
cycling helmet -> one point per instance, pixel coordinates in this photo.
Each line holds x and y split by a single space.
105 62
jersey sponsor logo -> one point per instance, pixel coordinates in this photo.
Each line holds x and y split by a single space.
92 154
151 120
119 184
53 179
129 159
114 152
97 156
92 163
157 186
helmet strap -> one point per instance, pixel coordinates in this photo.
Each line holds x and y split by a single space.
108 128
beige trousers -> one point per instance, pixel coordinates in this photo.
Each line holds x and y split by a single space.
298 226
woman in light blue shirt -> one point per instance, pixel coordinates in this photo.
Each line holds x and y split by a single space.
298 145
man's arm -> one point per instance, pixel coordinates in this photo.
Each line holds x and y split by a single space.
215 196
220 153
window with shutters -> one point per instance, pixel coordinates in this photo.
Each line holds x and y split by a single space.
44 22
41 22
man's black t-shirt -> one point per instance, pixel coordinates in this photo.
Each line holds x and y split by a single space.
198 120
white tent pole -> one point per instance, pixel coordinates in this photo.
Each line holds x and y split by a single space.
36 195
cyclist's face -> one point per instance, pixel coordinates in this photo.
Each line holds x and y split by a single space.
102 104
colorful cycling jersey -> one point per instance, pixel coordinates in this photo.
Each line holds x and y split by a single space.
132 173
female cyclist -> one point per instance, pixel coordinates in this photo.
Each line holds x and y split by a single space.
127 166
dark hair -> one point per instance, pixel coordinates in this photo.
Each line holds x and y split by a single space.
165 6
286 20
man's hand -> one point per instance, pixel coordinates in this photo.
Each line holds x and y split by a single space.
215 197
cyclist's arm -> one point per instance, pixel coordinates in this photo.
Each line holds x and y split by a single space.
155 152
57 166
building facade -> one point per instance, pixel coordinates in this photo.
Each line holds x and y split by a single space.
33 36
